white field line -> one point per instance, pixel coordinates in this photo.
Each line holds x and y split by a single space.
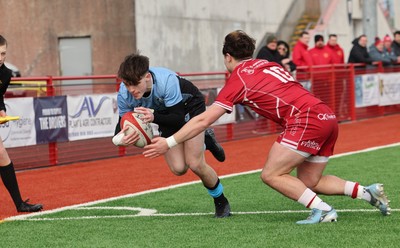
152 213
26 216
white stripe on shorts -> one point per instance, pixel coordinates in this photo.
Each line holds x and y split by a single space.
289 143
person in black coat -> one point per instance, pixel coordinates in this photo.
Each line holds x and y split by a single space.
359 52
269 51
396 43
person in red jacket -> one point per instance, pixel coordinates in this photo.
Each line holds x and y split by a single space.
336 51
320 55
301 56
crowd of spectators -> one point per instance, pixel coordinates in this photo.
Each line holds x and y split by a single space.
385 50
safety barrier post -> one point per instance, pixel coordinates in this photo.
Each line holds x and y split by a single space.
49 86
332 89
352 96
53 151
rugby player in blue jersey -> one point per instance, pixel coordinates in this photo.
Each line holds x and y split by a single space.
164 98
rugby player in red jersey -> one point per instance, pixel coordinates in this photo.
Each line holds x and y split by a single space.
308 139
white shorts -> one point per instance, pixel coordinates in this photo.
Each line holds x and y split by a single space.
309 157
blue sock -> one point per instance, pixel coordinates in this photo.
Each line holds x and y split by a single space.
217 190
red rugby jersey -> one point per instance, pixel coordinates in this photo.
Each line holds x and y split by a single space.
266 88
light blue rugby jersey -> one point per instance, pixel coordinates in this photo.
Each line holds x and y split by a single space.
165 93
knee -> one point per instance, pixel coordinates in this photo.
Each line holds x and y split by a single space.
310 184
197 168
179 172
266 177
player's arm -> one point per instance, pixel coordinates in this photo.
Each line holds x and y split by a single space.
120 139
192 128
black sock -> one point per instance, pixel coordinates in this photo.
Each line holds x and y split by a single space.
10 181
221 199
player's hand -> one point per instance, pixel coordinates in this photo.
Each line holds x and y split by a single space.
3 114
147 115
157 148
124 139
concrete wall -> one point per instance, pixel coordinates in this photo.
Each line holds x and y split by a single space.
32 29
187 35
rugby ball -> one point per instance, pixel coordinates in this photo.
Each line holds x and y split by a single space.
133 121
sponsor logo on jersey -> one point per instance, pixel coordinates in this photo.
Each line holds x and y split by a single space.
326 117
311 144
248 70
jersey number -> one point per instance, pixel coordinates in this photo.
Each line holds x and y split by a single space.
279 73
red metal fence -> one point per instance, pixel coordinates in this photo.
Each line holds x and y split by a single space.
334 84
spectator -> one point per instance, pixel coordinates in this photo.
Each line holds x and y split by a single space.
336 51
301 56
388 51
396 43
284 51
269 51
359 52
376 52
319 54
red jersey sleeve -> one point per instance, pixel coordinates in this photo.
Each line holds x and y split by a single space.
231 93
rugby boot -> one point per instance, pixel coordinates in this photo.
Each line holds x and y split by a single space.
213 146
378 198
319 216
26 207
222 209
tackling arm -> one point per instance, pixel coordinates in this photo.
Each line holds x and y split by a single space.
194 127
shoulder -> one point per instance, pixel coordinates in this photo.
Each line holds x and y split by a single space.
163 75
161 71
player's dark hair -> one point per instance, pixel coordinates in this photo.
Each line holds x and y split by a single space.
397 32
3 41
239 45
332 35
133 68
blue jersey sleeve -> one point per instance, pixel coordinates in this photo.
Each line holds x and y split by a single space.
123 100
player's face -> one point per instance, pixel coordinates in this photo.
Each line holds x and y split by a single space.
144 85
3 53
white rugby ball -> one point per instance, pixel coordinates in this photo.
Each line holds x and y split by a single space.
132 120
